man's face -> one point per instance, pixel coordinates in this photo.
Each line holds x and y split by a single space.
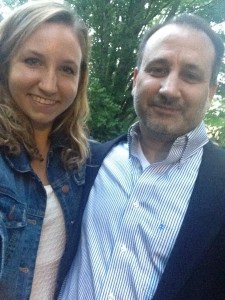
172 88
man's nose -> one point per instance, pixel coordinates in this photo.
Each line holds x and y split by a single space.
170 86
48 82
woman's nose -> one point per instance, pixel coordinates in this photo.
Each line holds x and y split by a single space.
48 82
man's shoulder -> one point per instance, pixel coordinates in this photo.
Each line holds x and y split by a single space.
100 150
213 159
97 155
214 151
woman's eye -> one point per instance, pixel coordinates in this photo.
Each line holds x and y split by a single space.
68 70
32 61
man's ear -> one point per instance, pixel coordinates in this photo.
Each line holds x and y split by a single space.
134 79
212 92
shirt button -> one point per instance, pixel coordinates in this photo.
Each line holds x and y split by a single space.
111 296
135 204
123 248
161 226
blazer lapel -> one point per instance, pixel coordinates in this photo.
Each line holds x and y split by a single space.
202 222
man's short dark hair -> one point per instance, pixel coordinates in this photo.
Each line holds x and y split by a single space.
195 22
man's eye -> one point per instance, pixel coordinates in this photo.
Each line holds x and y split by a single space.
32 61
191 77
157 71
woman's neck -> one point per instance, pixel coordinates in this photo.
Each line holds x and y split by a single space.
43 144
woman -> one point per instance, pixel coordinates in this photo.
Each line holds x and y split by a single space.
43 146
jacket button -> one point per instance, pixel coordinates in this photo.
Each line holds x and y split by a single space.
24 270
65 189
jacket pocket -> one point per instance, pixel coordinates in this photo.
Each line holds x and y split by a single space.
12 219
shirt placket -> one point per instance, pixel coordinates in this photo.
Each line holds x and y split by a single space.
123 253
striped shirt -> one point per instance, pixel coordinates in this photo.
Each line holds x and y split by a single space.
134 214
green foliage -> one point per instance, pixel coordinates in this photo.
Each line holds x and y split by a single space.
13 3
116 28
103 122
215 120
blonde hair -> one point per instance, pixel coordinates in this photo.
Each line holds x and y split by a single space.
16 130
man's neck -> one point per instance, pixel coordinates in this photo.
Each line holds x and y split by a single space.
154 150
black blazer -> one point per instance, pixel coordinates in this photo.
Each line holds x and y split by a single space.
196 267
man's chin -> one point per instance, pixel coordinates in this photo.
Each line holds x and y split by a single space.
163 133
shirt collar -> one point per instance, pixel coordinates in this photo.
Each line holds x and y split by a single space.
182 148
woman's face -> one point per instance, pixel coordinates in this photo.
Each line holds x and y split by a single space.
44 73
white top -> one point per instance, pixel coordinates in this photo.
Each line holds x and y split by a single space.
50 250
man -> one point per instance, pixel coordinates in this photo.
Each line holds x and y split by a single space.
154 225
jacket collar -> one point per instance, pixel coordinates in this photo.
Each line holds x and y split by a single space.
21 162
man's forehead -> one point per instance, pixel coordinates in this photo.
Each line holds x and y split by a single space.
174 31
173 36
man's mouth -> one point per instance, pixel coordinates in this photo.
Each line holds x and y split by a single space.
168 108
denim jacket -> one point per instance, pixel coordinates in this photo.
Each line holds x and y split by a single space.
22 209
